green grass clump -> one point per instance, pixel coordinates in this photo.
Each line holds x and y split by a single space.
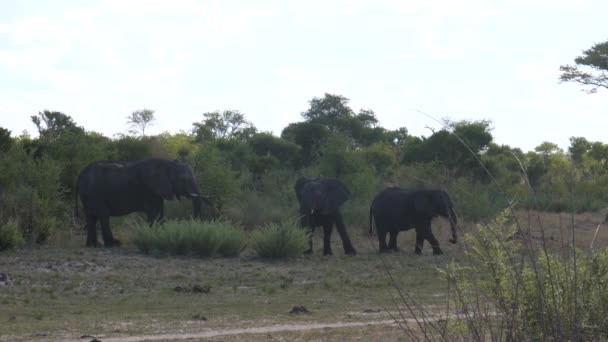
279 240
203 239
10 236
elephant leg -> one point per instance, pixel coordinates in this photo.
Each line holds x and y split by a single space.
106 233
91 230
433 241
310 230
392 240
419 241
327 228
382 247
346 243
155 212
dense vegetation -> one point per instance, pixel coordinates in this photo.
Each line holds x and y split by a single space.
249 174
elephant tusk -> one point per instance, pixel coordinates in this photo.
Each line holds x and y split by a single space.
194 195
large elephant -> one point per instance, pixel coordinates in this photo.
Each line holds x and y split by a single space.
395 209
320 201
108 188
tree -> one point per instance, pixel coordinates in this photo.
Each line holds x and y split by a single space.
52 124
333 112
595 61
308 136
228 124
6 142
139 120
579 146
547 148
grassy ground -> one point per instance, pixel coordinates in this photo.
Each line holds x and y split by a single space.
63 291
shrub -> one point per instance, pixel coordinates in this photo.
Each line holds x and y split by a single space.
279 240
10 236
32 195
536 295
190 238
254 209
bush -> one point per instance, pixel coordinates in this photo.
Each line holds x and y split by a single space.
536 295
190 238
279 240
10 236
255 209
32 194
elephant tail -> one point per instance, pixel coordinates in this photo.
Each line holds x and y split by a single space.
76 201
371 217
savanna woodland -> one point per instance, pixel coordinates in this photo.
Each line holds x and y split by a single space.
530 263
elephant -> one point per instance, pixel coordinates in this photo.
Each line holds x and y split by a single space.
320 200
395 209
111 188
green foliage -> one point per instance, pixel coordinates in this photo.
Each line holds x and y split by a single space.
279 240
10 236
266 144
139 120
590 69
128 148
228 124
308 135
32 194
536 295
214 176
51 125
6 142
194 238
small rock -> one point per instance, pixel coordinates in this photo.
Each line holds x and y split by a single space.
298 309
5 279
371 311
200 289
199 317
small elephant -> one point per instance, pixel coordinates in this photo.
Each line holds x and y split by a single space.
395 209
320 201
108 188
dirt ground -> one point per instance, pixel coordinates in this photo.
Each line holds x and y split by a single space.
64 292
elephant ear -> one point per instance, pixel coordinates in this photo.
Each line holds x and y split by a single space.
157 176
426 202
336 193
299 187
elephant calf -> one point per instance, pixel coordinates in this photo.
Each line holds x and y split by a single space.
395 209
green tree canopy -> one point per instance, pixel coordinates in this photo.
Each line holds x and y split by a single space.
51 125
590 69
6 142
227 124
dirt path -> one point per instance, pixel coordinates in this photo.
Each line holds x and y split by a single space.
240 331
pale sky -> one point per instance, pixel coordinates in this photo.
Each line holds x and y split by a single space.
98 61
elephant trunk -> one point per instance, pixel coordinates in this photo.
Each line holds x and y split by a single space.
196 207
453 222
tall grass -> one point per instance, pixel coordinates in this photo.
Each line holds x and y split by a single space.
202 239
279 240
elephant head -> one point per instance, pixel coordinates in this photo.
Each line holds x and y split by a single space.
437 203
324 195
172 179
